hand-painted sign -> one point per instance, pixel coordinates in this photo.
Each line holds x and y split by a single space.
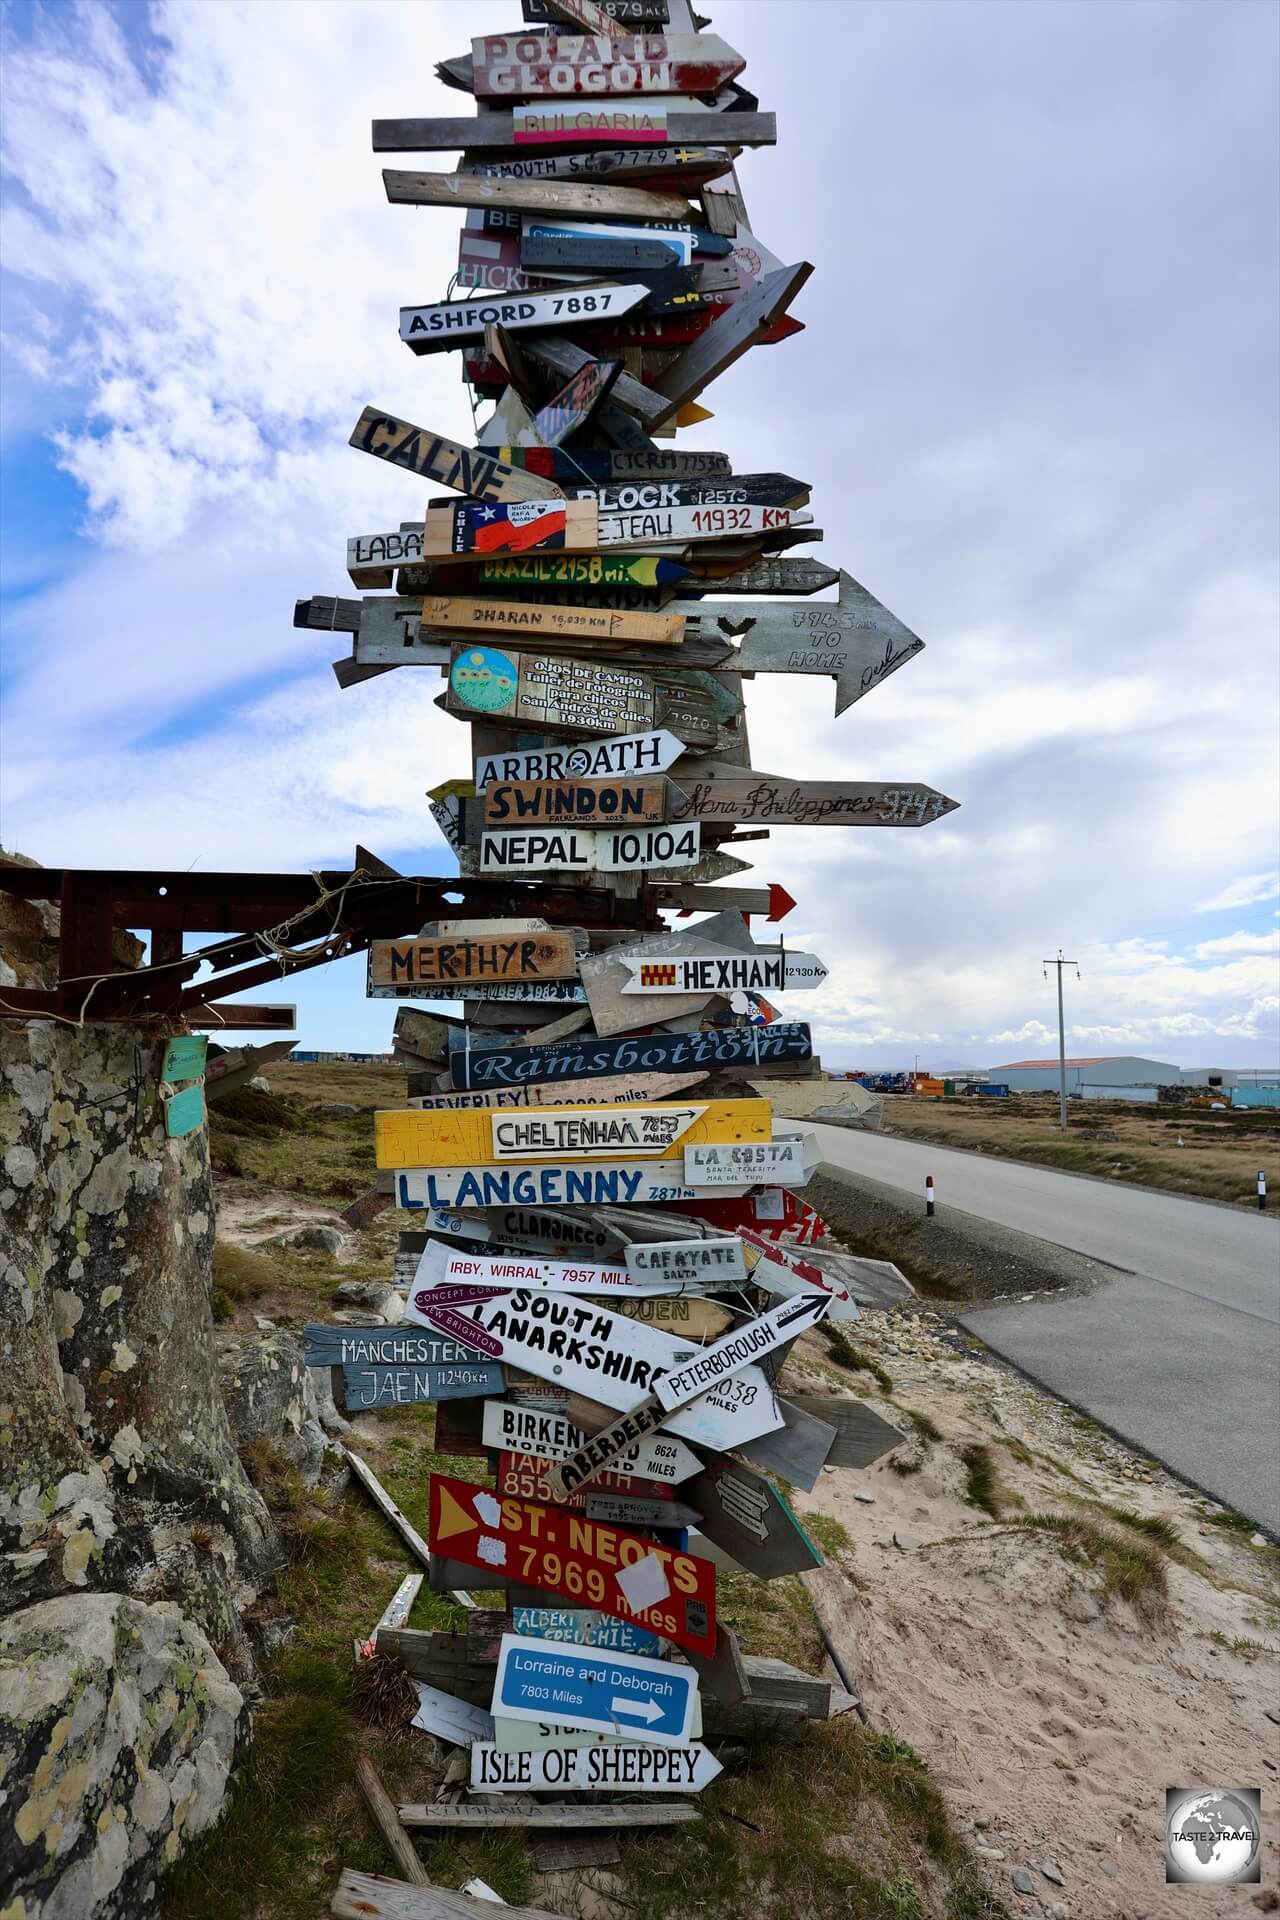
586 1349
666 526
568 1133
447 323
744 1514
524 1227
569 410
583 570
581 1627
587 803
768 970
650 1053
710 1261
601 1183
626 1768
450 612
635 753
741 490
509 528
744 798
555 196
418 450
365 1387
520 993
610 850
530 66
676 235
184 1057
602 465
524 1475
739 1349
764 576
580 1559
560 124
660 1458
577 1687
583 696
432 962
771 1160
614 1090
777 1270
372 557
380 1346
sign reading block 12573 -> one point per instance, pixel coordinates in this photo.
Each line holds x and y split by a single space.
581 1560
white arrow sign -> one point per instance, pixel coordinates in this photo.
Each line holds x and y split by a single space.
767 970
579 849
428 328
620 1766
549 1436
588 760
750 1162
642 1131
526 1270
777 1270
740 1348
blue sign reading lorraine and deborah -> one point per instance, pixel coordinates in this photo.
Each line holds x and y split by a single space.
612 1692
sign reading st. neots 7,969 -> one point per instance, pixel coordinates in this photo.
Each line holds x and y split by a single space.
582 1560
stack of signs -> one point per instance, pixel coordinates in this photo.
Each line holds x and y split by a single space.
596 1299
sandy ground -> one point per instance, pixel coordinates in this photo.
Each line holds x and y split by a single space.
1053 1724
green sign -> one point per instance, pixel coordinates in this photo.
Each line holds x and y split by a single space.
184 1057
184 1112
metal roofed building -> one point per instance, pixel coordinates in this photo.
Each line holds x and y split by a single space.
1091 1070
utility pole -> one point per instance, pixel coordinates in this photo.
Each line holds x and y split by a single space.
1060 963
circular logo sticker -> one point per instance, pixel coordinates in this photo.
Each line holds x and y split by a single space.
483 678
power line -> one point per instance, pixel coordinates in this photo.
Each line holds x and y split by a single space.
1060 963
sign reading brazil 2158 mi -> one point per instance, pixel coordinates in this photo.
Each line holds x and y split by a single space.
427 329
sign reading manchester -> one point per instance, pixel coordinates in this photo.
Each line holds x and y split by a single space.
582 1560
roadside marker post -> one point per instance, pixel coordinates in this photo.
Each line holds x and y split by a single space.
928 1196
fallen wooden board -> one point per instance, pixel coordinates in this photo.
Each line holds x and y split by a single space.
371 1896
386 1820
387 1506
548 1818
488 132
777 1681
418 450
582 198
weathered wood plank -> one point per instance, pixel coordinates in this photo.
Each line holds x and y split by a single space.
582 198
745 798
680 168
728 337
369 1896
548 1818
483 615
387 1821
489 132
418 450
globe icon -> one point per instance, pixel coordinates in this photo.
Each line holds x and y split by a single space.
1212 1836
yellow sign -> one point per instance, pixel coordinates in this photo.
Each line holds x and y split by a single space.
428 1138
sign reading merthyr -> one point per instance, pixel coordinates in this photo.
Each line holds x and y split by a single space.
623 1053
565 1553
857 641
574 1687
609 1358
633 753
575 849
448 322
550 1436
526 66
741 798
635 1767
601 465
744 1513
724 1360
676 167
461 962
709 1261
418 450
776 970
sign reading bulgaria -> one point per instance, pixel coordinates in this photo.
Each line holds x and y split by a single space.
581 1559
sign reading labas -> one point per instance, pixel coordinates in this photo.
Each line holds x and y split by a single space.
635 1767
623 1053
430 962
415 1138
660 1458
630 753
582 850
582 696
707 1260
580 1559
764 971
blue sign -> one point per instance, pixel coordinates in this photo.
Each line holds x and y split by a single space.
608 1692
581 1628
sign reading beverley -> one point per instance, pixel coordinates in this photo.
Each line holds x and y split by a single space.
443 611
587 803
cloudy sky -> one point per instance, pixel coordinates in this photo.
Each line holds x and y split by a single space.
1036 400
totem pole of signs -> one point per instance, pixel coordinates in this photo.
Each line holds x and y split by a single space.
599 1297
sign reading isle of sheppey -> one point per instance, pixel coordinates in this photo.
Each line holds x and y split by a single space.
580 1559
572 1687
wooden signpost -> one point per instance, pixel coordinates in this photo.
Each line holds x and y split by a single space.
418 450
565 125
395 964
744 798
747 489
714 1261
529 66
480 615
595 1183
588 803
714 1166
558 694
565 525
745 1515
450 323
580 1559
549 253
717 1049
587 198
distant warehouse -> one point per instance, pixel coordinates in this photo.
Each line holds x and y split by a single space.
1122 1076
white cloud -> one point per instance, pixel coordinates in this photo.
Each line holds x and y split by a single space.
1250 887
1238 943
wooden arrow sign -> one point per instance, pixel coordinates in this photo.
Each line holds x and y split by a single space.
584 803
611 125
398 964
520 617
766 576
716 1049
569 410
451 322
727 338
635 753
672 526
620 13
732 795
570 850
857 640
576 571
679 168
582 198
577 696
530 66
549 253
601 465
767 970
419 450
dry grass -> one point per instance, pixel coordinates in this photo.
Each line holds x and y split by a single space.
283 1137
1219 1158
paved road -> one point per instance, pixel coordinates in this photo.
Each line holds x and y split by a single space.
1179 1352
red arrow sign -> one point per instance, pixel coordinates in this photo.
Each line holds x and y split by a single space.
780 902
